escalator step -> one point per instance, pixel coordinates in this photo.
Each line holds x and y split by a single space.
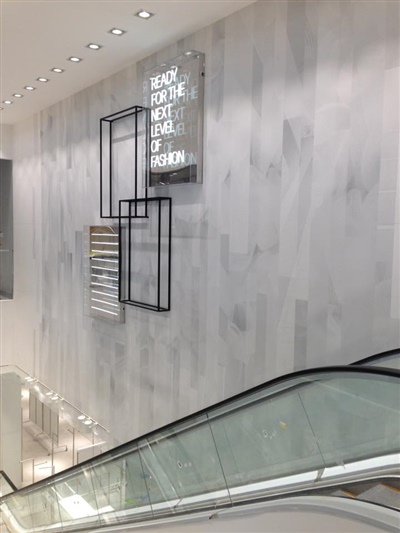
344 493
383 494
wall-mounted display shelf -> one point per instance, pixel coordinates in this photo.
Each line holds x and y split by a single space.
102 274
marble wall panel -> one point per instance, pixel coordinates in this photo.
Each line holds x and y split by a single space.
286 257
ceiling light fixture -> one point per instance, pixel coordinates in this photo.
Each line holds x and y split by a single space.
94 46
29 88
57 70
43 80
17 95
74 59
8 102
88 422
143 14
81 417
117 31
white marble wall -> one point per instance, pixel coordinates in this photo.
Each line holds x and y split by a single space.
286 257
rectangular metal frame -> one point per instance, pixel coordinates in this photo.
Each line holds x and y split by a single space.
159 200
107 181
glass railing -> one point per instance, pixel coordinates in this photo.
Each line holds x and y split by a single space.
6 485
389 359
297 432
55 424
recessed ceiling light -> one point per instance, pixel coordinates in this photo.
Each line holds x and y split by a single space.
55 397
94 46
57 70
17 95
8 102
143 14
29 88
117 31
88 422
74 59
43 80
81 417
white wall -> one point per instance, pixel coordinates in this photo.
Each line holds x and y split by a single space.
6 141
284 258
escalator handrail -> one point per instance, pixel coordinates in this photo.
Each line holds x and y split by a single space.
126 447
9 481
377 357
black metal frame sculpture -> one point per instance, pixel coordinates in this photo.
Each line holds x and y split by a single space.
136 208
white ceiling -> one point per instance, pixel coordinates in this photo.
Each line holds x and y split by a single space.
36 36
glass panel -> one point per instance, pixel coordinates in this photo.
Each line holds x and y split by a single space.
265 441
15 509
121 490
77 498
44 508
182 468
354 417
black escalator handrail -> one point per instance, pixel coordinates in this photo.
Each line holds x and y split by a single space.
126 447
377 357
2 473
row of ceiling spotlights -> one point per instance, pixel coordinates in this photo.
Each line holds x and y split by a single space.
30 381
143 14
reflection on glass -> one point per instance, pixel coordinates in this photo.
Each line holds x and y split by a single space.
324 425
182 463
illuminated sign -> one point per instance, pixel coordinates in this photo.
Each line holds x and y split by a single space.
174 92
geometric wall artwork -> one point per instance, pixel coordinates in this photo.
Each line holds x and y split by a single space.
124 157
145 253
142 147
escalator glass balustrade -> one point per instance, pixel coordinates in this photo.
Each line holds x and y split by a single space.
303 431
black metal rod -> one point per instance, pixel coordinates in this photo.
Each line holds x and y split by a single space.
120 253
159 257
169 253
110 168
137 108
129 250
147 158
101 168
143 305
136 162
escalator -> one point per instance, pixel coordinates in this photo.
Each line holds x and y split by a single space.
389 359
319 433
